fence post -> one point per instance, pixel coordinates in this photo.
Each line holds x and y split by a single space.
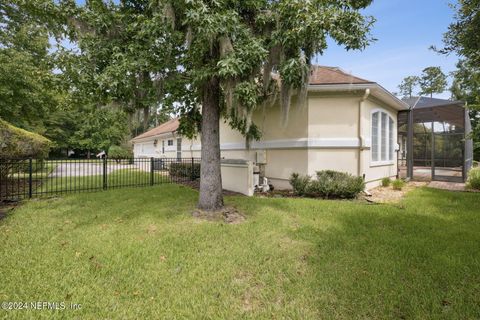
30 178
151 171
192 171
105 173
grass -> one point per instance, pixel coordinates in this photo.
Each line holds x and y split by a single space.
398 184
137 253
39 174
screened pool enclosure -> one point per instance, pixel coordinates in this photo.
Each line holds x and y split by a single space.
433 140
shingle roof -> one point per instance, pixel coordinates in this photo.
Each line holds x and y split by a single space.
426 102
169 126
322 75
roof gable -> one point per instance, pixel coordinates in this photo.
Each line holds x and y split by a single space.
166 127
332 75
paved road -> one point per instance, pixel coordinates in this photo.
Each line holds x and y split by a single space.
84 169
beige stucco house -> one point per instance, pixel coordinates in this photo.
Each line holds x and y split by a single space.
349 124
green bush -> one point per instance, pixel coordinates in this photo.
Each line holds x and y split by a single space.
184 170
386 182
119 152
398 184
16 143
19 143
299 183
473 180
38 165
328 184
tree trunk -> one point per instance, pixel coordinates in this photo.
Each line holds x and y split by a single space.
146 118
211 197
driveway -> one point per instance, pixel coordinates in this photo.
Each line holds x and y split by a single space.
84 169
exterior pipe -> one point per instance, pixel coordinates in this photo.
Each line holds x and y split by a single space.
361 138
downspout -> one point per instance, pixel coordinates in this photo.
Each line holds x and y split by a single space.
361 138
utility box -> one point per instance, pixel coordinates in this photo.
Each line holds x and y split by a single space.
261 157
237 176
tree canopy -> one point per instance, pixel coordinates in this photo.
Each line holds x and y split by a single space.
27 82
463 38
62 72
432 80
408 85
238 45
232 48
204 60
466 87
121 56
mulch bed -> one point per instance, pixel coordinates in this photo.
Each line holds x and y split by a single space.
388 195
229 215
277 194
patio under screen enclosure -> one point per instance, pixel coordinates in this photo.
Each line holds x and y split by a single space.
433 139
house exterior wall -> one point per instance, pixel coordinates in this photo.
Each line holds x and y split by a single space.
330 133
333 131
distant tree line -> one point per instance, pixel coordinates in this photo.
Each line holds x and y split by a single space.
431 81
78 82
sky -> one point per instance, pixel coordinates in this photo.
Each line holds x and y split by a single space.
405 30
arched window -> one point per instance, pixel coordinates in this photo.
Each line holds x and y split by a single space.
383 139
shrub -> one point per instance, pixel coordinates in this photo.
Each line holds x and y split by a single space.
328 184
119 152
37 165
386 182
19 143
299 183
473 180
398 184
185 170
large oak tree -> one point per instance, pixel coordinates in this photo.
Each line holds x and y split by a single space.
217 58
231 50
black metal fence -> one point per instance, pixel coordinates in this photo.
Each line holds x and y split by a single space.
27 178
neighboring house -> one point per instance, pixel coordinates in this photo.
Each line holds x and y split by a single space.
349 124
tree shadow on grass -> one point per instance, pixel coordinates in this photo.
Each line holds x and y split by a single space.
386 262
158 203
418 259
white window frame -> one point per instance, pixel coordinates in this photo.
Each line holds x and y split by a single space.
390 156
179 149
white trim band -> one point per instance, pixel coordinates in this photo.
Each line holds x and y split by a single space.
308 143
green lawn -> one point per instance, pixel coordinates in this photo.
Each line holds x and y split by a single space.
138 254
